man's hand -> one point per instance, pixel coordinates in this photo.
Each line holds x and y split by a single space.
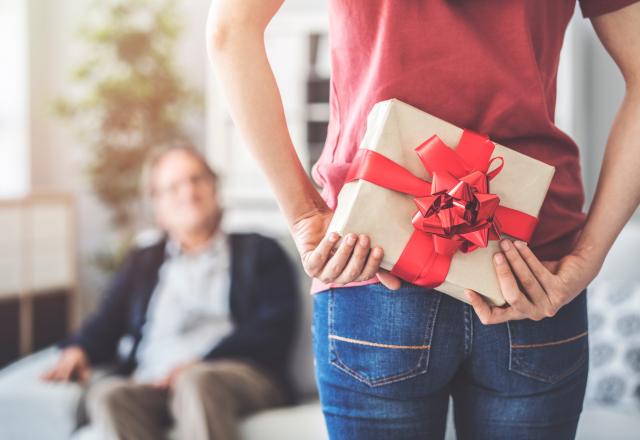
73 364
169 381
532 288
353 260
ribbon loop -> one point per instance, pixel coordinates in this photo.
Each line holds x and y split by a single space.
493 173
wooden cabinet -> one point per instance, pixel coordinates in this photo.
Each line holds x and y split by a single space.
37 272
9 329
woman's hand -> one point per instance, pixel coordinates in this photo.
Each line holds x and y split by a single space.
352 260
532 288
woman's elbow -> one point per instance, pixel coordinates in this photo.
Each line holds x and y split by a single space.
217 37
632 83
238 22
232 37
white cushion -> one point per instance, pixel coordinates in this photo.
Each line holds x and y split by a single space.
598 423
614 339
32 409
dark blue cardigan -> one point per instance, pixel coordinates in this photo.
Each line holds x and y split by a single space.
263 301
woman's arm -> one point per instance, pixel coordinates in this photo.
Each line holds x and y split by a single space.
618 191
550 285
235 37
235 42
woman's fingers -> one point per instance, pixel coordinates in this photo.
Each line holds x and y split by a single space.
509 286
355 262
317 259
542 274
538 303
364 261
515 267
389 280
536 266
336 264
489 314
372 265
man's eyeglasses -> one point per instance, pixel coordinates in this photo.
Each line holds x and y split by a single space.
196 180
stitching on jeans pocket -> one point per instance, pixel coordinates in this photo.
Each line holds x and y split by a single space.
553 348
376 344
548 362
546 344
397 348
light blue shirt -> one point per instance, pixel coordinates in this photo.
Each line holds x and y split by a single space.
189 309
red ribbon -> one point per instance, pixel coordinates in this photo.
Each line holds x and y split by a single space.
456 211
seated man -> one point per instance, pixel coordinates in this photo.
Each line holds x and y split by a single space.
200 324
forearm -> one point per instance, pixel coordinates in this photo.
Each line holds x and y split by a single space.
618 190
240 63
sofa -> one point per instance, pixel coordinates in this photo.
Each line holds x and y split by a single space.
30 409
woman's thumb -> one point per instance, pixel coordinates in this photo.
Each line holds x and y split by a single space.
389 280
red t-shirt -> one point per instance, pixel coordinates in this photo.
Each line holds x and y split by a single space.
490 66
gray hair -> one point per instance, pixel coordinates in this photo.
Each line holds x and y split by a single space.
148 170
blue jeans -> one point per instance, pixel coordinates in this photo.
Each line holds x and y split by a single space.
387 361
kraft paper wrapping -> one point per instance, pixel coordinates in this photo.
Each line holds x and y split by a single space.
395 129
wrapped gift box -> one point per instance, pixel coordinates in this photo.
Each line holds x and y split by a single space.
395 129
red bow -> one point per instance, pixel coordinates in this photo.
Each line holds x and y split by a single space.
460 210
456 211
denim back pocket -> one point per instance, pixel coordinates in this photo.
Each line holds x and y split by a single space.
551 349
380 336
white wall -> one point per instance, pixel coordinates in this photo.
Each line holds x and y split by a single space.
14 90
